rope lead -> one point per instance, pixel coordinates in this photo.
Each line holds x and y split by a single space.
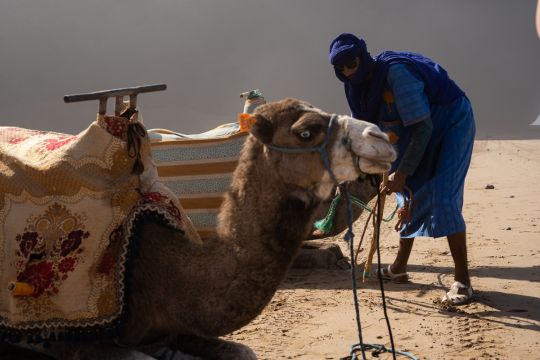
349 237
325 224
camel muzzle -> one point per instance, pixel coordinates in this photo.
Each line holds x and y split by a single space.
371 146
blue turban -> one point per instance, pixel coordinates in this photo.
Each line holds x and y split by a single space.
344 49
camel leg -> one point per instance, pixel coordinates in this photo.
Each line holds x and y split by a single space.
320 254
213 348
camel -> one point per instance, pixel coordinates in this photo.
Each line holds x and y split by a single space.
317 253
184 294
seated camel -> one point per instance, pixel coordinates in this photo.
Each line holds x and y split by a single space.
184 294
198 168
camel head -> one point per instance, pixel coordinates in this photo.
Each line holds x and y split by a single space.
292 132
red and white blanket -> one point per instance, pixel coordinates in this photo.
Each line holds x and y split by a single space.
68 206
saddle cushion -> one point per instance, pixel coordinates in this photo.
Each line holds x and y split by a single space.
69 205
198 169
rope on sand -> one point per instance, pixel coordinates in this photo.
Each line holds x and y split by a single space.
381 349
349 237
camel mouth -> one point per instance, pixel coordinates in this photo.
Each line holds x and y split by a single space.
369 166
369 145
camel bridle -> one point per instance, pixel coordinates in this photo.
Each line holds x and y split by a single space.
321 149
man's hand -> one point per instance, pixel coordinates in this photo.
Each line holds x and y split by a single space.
396 182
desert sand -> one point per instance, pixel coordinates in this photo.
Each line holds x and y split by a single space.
312 315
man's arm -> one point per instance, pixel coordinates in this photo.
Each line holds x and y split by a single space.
420 135
415 113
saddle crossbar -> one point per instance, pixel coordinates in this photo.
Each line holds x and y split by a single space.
119 94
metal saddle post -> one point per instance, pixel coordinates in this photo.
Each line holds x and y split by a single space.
118 94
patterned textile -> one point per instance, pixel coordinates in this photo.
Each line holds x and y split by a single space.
198 169
68 207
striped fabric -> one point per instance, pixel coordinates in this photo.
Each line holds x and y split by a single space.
198 169
409 96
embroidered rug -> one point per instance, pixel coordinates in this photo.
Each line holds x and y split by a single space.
68 209
198 169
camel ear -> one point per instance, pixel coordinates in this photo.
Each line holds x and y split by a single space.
262 129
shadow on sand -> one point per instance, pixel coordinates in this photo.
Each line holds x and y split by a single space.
503 308
531 273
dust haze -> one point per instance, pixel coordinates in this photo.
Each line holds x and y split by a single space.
207 52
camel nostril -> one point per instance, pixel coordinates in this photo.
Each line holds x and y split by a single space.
376 133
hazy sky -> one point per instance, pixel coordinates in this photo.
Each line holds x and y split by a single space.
208 51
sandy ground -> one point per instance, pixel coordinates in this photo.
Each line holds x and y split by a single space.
312 315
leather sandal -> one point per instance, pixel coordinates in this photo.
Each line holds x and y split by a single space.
459 294
387 274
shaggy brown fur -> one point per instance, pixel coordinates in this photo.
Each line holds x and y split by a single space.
223 284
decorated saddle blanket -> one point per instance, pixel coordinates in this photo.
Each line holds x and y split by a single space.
68 209
198 169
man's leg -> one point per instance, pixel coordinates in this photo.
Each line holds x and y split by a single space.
458 248
402 258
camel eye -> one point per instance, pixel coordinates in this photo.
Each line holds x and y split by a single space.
306 134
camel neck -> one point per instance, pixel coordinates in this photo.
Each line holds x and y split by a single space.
262 211
266 223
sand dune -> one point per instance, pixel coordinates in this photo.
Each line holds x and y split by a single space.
312 315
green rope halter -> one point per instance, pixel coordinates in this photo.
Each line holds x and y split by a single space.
325 224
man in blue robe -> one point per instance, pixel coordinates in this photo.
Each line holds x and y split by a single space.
430 122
